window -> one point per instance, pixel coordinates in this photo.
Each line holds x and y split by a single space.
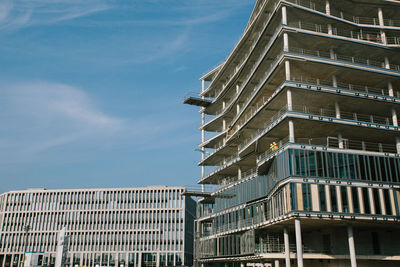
322 198
306 188
355 199
367 207
333 198
377 201
345 202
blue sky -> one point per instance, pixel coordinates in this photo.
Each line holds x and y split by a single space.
91 91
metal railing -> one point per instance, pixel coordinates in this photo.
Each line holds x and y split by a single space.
342 15
339 57
317 112
245 58
345 86
331 142
362 35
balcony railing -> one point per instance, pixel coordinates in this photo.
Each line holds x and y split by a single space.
373 21
330 142
316 112
346 58
361 35
346 86
245 58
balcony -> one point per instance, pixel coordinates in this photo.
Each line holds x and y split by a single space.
359 35
360 120
338 14
241 63
328 143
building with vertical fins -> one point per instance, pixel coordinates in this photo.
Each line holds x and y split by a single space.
300 136
124 227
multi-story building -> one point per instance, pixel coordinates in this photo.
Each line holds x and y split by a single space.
300 134
122 227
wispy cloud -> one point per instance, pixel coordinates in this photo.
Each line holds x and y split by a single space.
16 14
42 115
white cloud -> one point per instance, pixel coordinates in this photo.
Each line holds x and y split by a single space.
15 14
41 115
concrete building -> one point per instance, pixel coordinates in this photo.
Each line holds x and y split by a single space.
128 227
300 134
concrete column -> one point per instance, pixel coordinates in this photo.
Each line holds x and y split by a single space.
237 88
223 124
223 104
330 31
334 81
299 245
398 145
242 265
332 53
284 15
287 247
239 173
390 89
287 70
340 139
337 110
203 87
276 263
291 131
394 117
327 7
380 17
352 249
387 63
289 99
285 42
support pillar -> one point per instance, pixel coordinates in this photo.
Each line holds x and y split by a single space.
287 70
299 245
291 132
390 89
330 31
337 110
276 263
352 249
394 117
287 247
237 88
334 81
340 139
332 53
382 23
289 99
398 145
237 108
387 63
284 15
285 42
327 7
242 265
239 173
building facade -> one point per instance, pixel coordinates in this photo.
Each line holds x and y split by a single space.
128 227
300 135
